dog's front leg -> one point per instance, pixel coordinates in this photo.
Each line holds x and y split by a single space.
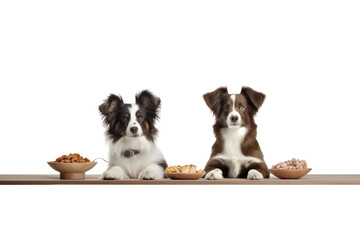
257 171
216 169
152 172
115 173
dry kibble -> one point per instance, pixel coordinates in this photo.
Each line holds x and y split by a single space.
292 164
72 158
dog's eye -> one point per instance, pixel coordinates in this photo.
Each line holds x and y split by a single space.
140 117
226 108
242 108
124 118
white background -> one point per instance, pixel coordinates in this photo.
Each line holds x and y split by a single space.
60 59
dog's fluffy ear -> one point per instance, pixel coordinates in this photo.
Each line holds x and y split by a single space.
110 105
214 99
255 99
150 103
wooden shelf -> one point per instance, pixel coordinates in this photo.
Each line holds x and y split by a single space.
311 179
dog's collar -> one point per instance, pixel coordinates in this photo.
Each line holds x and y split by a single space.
130 153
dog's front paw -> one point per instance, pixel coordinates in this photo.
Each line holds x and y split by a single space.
115 173
254 175
215 174
147 174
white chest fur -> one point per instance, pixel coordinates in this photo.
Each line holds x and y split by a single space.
232 154
149 154
233 138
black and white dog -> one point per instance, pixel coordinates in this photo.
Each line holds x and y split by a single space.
236 152
131 135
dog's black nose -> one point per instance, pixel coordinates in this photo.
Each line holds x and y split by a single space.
133 130
234 118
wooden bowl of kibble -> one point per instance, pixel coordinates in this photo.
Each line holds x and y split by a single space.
72 166
291 169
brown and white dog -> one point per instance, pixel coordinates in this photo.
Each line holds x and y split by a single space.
236 152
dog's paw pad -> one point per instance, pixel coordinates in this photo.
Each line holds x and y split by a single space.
215 174
254 175
147 174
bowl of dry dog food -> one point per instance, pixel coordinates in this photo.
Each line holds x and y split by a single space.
184 172
72 166
290 169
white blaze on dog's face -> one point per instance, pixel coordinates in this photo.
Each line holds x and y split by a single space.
234 118
134 128
235 110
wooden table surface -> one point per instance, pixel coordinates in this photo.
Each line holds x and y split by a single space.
310 179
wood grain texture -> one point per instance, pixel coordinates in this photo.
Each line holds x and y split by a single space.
53 179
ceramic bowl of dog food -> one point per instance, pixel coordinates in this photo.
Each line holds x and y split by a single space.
72 170
290 174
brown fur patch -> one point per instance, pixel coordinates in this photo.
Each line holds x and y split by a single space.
117 126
